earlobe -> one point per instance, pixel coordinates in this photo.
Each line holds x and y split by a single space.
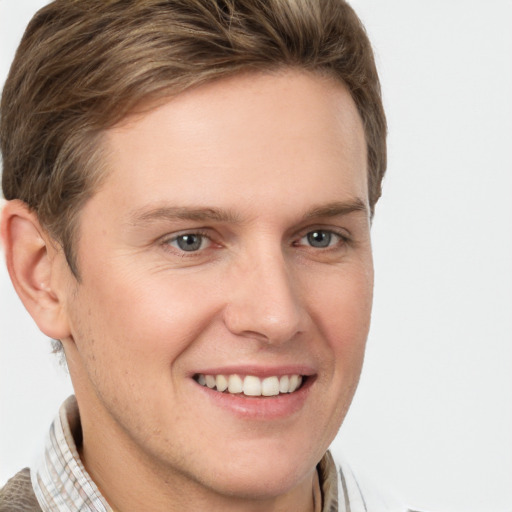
30 257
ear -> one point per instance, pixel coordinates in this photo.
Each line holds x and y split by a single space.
31 258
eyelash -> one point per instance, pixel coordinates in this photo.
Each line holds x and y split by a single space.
168 241
343 239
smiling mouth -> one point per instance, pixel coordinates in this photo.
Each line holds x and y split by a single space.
251 385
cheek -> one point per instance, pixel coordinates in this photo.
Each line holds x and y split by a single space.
342 315
340 310
154 318
130 335
341 305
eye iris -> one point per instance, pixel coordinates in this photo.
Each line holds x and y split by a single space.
319 238
189 242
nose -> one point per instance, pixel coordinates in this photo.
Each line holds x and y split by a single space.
264 301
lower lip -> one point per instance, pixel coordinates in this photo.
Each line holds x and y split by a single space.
260 408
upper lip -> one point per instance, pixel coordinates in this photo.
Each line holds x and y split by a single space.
257 370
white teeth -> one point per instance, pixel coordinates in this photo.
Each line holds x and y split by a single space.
210 381
284 384
222 383
251 385
294 380
270 386
235 384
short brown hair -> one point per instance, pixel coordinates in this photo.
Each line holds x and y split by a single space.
83 65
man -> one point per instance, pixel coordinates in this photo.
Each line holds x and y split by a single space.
191 185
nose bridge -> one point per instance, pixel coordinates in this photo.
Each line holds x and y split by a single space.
265 302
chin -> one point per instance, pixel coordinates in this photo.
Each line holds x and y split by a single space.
257 484
261 474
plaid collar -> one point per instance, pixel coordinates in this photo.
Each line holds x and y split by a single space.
60 481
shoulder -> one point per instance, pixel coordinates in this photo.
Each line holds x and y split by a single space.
17 495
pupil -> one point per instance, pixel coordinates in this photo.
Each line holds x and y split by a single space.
189 242
319 238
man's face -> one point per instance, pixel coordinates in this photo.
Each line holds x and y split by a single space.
229 242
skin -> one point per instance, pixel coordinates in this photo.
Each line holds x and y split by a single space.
277 156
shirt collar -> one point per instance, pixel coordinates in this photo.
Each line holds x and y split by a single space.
60 481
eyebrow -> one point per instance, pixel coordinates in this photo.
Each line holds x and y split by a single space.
146 216
200 214
337 209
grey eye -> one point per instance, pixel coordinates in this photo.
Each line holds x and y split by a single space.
189 243
319 238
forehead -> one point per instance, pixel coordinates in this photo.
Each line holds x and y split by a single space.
283 130
254 101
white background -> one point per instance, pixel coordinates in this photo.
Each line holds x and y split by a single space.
432 419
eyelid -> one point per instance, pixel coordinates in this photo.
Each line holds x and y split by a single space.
342 233
173 236
335 242
166 241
